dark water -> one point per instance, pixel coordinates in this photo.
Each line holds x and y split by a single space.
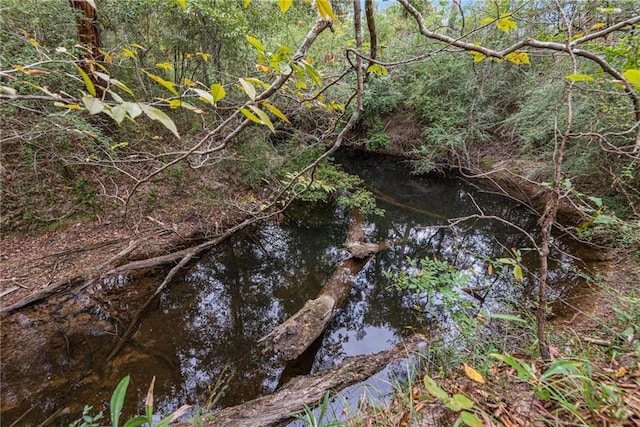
207 322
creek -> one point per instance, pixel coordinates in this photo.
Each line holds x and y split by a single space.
206 323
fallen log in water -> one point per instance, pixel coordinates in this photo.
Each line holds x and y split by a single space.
291 338
278 407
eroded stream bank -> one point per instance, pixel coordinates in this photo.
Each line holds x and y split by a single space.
208 321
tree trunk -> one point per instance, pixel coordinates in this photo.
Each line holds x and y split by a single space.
89 36
292 337
277 408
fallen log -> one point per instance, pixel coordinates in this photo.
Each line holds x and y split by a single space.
85 279
278 407
383 197
292 337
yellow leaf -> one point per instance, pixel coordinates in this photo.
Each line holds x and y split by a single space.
325 10
247 3
87 81
477 56
490 269
473 374
263 68
506 23
621 372
165 83
285 5
518 58
632 76
279 114
249 115
165 65
183 6
67 106
487 20
189 83
264 119
217 91
129 53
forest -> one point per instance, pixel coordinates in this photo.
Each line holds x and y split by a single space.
145 143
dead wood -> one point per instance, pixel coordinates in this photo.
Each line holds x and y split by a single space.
292 337
277 408
379 195
88 278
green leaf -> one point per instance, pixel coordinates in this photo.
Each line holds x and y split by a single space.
136 422
451 404
580 78
248 88
508 317
604 219
378 69
170 86
117 400
525 371
285 5
517 273
314 75
87 82
463 401
562 367
433 388
263 117
470 419
325 10
218 92
158 115
93 105
596 200
256 43
276 112
509 261
633 77
249 115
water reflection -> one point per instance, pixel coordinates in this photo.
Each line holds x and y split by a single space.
207 322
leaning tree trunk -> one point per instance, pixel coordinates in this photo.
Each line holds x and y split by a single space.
291 338
89 37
